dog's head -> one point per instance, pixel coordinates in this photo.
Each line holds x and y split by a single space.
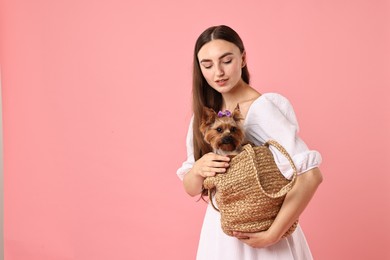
222 130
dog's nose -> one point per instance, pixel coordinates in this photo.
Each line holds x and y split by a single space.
227 140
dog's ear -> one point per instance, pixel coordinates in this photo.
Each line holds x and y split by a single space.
208 118
237 114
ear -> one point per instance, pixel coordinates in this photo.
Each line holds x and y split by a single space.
208 118
237 114
243 60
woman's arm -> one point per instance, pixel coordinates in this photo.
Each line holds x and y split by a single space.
208 165
296 201
193 183
294 204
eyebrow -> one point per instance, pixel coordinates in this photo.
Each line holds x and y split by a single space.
222 56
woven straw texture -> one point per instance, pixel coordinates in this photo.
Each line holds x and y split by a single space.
251 192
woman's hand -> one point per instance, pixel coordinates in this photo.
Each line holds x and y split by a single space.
257 240
208 165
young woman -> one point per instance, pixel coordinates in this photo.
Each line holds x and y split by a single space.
221 81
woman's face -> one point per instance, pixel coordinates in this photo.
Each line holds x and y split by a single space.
221 63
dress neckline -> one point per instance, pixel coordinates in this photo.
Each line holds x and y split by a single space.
250 107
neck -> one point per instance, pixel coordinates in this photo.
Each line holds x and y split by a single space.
235 95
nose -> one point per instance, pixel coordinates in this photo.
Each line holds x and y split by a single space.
220 71
227 140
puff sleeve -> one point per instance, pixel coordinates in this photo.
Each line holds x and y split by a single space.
272 117
187 165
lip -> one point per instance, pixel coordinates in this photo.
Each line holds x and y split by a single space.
221 82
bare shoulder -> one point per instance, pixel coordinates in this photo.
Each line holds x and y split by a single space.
246 104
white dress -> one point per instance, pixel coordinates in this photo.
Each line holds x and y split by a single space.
270 116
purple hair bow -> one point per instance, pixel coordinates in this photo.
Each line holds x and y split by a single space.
224 113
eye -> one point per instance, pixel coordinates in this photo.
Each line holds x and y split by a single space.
233 129
227 61
219 130
207 64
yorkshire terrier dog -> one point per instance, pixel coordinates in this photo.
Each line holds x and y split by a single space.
223 131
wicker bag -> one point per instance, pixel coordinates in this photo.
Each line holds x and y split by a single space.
251 192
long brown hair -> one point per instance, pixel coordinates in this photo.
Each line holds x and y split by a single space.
202 93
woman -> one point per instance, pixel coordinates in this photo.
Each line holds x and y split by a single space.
221 81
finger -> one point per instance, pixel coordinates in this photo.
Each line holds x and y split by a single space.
208 174
215 164
214 170
217 157
218 170
242 235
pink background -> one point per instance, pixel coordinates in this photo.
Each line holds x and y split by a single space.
96 105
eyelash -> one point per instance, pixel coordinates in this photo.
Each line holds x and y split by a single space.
224 62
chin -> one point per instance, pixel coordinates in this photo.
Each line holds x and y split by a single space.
223 89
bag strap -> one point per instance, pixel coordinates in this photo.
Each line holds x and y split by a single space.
283 191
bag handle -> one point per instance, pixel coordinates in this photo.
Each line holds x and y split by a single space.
283 191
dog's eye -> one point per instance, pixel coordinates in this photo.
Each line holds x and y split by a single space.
233 129
219 130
